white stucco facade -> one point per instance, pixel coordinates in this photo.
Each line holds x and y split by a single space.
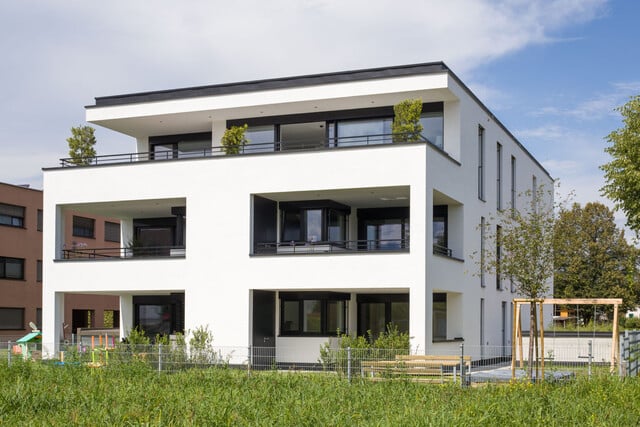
217 269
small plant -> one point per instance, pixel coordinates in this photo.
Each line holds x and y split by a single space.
201 345
234 139
406 125
81 144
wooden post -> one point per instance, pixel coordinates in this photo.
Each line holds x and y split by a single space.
542 339
514 335
520 338
615 345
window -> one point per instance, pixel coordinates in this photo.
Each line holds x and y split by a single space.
83 227
376 311
439 321
39 220
498 257
381 229
11 318
313 222
11 268
39 318
39 271
11 215
363 132
534 193
499 176
260 139
433 128
483 225
482 328
513 182
112 231
111 318
481 163
180 146
440 230
313 313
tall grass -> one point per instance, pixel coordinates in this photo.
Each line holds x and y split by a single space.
46 394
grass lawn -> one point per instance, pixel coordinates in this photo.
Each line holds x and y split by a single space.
34 393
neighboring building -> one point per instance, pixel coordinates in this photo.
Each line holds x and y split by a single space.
323 221
21 266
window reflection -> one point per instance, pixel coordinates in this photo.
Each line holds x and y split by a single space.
433 128
260 139
364 132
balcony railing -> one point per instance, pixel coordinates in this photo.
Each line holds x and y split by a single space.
117 253
251 148
323 247
442 250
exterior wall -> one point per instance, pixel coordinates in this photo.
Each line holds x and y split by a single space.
219 271
26 243
23 243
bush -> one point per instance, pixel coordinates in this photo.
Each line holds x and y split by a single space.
234 139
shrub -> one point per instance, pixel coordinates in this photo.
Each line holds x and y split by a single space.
406 125
234 139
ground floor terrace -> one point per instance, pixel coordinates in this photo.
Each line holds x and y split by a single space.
289 326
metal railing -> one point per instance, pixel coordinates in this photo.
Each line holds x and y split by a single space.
250 148
442 250
334 246
111 253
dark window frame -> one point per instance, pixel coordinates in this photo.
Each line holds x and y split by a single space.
10 327
301 208
481 193
498 257
441 212
3 271
387 299
79 228
438 297
10 216
499 176
107 232
174 141
325 299
39 220
39 270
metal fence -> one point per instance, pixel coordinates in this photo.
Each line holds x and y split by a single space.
459 363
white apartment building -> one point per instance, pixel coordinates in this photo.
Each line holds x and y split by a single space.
321 222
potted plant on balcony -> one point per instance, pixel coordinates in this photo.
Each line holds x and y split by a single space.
234 139
406 125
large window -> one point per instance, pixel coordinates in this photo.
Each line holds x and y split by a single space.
180 146
313 222
313 313
499 176
433 128
260 139
439 321
377 311
483 224
11 268
11 215
84 227
112 231
480 163
363 132
513 183
441 230
11 318
498 257
383 228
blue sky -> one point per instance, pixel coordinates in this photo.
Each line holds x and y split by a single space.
551 70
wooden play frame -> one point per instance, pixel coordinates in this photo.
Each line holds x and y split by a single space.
517 331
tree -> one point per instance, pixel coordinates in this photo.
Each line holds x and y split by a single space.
234 139
81 144
622 173
592 256
406 125
521 249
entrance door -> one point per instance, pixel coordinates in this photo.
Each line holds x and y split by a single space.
263 352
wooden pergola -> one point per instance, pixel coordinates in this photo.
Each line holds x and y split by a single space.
517 331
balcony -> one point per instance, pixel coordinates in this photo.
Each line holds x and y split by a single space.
123 253
248 149
340 221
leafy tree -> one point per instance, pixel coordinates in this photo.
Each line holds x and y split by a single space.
622 173
234 139
406 125
522 250
592 256
81 144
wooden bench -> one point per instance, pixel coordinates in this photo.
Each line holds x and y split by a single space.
426 368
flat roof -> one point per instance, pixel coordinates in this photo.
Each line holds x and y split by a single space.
271 84
301 81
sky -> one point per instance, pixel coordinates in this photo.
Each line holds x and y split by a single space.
552 71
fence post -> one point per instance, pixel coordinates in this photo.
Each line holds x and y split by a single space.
349 364
9 353
462 373
159 357
590 356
